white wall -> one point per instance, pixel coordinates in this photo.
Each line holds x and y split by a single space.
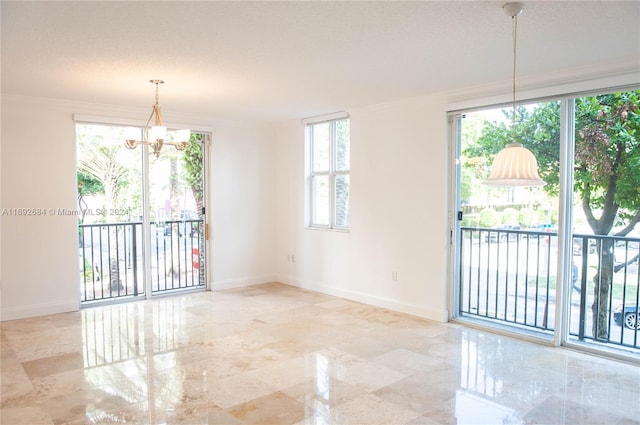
398 212
398 202
39 253
39 260
243 206
399 196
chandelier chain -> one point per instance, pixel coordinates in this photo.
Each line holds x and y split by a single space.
157 95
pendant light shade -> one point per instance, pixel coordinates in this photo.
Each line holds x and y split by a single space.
514 165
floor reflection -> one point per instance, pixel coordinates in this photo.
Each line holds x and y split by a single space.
130 353
473 409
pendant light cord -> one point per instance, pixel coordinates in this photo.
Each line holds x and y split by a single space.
513 81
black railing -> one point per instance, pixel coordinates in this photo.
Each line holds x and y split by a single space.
111 258
177 252
605 283
509 276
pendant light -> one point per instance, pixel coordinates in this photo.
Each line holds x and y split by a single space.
514 165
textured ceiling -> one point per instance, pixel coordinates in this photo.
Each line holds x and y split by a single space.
283 60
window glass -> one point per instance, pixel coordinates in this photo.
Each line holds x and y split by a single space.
509 235
321 200
342 201
342 145
321 147
329 147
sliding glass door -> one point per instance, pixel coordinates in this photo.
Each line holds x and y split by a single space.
176 216
141 219
507 236
606 233
559 262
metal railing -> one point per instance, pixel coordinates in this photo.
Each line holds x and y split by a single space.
509 276
605 283
111 258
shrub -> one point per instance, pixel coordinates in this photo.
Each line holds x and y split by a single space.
510 216
489 217
527 217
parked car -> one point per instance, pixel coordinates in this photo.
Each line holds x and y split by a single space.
540 228
168 230
627 316
545 227
502 233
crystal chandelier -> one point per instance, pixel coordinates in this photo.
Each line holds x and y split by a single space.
155 135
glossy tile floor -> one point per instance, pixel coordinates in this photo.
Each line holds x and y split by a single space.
274 354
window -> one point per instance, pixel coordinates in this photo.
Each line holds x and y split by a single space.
574 241
328 156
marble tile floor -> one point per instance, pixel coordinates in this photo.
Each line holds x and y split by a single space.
275 354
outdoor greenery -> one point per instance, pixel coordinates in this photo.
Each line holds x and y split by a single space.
109 177
88 185
489 218
105 174
617 292
510 216
607 154
193 169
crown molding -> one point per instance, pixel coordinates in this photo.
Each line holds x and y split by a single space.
131 115
622 75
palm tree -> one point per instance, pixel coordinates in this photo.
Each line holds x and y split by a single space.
102 164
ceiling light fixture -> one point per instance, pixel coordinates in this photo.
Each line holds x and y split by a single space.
155 135
514 165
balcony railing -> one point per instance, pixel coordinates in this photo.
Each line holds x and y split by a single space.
111 258
509 276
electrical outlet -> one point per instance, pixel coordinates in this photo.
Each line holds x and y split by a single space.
394 276
293 258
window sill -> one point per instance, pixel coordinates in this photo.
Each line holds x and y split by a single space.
328 229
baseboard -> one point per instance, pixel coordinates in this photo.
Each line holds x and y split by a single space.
284 278
220 285
441 316
34 310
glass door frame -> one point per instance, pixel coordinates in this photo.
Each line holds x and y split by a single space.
146 216
147 223
557 338
561 333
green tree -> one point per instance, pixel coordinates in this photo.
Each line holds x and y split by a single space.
510 216
193 159
101 164
607 179
87 186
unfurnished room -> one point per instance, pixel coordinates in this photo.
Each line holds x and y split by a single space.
320 212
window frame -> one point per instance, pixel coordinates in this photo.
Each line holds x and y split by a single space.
562 335
332 173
